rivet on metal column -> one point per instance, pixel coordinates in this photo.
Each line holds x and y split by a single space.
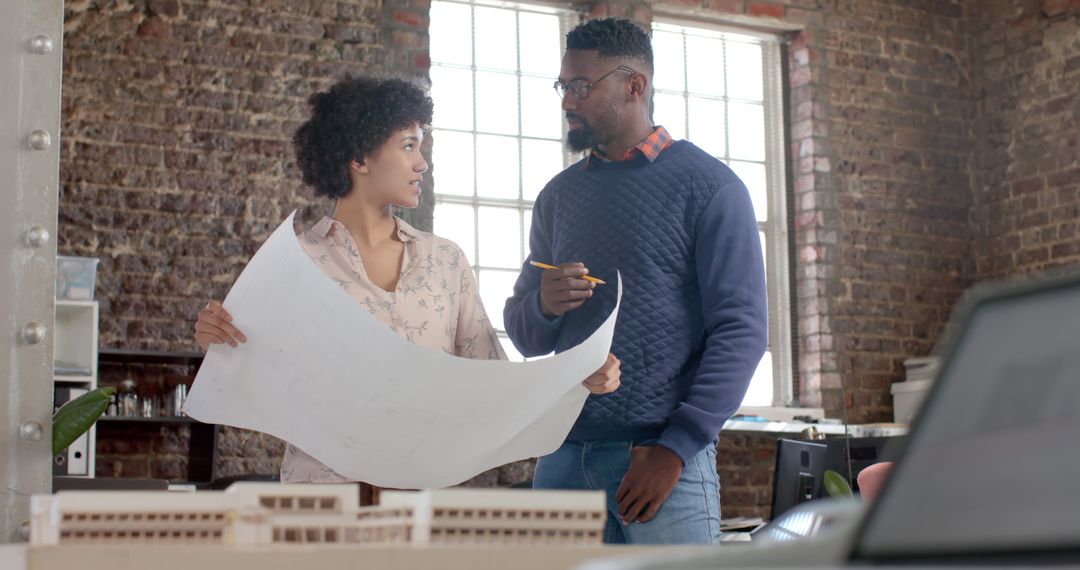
37 236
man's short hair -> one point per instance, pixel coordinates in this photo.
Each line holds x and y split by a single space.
612 37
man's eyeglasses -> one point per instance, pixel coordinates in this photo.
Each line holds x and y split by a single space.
581 88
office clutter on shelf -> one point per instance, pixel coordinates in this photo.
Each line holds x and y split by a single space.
156 401
151 385
75 277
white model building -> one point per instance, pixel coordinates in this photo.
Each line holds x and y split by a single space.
254 514
502 516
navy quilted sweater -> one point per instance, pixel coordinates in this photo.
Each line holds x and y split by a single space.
693 322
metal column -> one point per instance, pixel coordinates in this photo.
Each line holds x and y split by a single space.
30 70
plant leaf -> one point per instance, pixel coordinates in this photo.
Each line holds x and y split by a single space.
76 416
836 485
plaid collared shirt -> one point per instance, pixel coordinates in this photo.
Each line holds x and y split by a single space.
650 147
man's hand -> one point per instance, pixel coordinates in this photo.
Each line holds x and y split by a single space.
215 326
606 379
563 289
654 471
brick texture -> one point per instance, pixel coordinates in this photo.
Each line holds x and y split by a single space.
881 154
1027 184
745 464
176 154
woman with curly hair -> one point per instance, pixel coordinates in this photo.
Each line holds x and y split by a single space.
361 148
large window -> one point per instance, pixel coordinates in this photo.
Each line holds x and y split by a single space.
721 90
498 132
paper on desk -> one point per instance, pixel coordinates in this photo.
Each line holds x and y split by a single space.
319 371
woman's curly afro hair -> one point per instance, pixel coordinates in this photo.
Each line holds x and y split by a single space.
349 122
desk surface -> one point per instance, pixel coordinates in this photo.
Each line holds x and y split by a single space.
21 557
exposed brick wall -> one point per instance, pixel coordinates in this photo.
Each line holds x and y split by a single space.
176 157
882 192
745 464
1027 184
176 162
157 451
639 11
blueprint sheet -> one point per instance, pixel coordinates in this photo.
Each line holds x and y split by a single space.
319 371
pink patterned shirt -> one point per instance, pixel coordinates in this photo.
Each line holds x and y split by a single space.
436 305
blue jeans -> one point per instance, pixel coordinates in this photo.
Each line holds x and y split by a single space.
691 514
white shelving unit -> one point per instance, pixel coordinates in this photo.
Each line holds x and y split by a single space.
75 356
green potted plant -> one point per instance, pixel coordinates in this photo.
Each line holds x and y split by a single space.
76 416
836 485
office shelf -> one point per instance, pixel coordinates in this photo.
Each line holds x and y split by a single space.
75 340
152 420
70 379
125 356
118 363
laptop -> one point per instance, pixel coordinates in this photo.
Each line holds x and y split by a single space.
991 467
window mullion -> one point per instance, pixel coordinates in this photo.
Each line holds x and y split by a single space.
520 132
776 237
476 147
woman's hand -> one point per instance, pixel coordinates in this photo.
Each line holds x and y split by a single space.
605 380
214 326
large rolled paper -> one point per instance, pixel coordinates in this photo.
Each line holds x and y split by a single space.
319 371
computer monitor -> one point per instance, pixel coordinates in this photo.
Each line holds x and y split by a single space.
800 468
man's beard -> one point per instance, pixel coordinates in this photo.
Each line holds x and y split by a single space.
582 139
587 136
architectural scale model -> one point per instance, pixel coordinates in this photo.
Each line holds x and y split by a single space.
252 514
